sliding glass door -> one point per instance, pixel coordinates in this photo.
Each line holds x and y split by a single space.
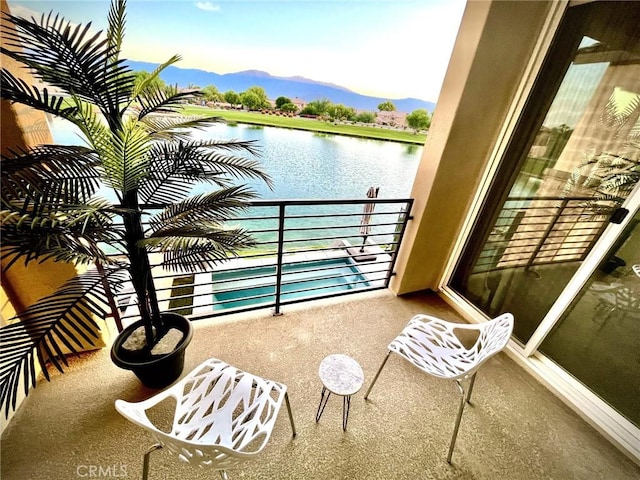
554 234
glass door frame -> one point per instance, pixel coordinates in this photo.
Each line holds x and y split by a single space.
594 410
582 275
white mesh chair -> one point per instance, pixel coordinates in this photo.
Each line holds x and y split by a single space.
431 344
223 416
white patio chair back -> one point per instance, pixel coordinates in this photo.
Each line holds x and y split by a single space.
431 344
223 416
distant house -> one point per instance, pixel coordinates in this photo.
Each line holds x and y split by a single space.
191 90
391 119
225 106
299 103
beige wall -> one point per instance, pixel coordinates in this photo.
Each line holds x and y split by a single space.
21 286
20 128
477 92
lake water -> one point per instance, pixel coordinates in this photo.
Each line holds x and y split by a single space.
307 165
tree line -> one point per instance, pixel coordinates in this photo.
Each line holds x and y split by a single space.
255 98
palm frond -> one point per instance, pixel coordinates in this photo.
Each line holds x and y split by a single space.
175 167
219 206
65 233
175 127
615 116
49 174
247 146
144 85
65 318
155 99
631 108
71 59
115 32
198 247
96 132
17 90
125 159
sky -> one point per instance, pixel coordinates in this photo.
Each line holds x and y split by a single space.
384 48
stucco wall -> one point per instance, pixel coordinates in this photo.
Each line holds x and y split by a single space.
22 127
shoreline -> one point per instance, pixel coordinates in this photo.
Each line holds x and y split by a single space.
318 126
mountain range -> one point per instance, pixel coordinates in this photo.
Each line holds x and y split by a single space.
291 87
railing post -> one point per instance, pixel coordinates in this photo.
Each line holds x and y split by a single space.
504 244
546 233
281 216
115 313
407 216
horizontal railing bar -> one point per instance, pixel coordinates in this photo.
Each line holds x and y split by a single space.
548 212
243 298
268 295
254 267
219 313
326 227
291 282
356 214
344 247
310 202
547 198
267 275
569 243
333 237
332 295
311 289
271 294
583 226
293 252
252 218
317 216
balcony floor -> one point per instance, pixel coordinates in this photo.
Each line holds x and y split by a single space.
514 429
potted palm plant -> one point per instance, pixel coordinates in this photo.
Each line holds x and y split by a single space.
140 149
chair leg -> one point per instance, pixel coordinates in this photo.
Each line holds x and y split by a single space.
463 400
366 396
145 463
223 474
286 399
473 380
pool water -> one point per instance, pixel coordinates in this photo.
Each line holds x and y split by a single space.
335 276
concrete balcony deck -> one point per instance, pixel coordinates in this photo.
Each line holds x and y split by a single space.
514 429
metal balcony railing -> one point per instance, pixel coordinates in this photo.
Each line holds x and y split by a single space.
305 250
540 230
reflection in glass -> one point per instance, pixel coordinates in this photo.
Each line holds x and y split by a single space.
598 338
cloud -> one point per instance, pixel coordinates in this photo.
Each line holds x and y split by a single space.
208 6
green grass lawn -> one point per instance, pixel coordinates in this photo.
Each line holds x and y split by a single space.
254 118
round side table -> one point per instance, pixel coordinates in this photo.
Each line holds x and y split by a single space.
342 375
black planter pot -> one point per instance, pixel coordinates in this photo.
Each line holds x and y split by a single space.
154 371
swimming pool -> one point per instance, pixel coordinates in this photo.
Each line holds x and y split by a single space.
257 285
